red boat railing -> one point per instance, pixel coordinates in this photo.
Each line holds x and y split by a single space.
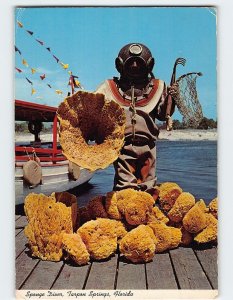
27 111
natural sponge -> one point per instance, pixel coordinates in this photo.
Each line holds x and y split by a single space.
69 200
182 205
86 117
168 237
195 219
101 237
96 207
157 215
138 245
111 206
209 234
131 205
168 193
48 220
213 207
75 248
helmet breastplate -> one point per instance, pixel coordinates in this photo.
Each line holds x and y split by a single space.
141 89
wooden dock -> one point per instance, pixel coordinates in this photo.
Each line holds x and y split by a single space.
177 269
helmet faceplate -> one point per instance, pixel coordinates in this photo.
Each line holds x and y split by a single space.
134 61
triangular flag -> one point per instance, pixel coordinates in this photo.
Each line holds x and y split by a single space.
33 91
65 66
25 63
33 70
42 77
28 80
30 32
77 83
18 70
56 58
20 24
17 50
42 43
48 49
59 92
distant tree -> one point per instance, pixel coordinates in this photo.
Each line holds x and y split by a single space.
177 124
21 126
207 124
204 124
212 123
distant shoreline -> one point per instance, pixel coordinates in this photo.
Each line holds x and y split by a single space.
174 135
189 135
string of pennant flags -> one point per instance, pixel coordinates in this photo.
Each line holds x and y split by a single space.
33 71
73 80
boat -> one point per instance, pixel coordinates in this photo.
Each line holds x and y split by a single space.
56 172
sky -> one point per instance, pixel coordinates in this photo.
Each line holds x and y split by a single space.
88 39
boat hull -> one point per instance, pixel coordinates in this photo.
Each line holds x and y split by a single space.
54 179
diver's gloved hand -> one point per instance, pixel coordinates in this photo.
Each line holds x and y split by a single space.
173 90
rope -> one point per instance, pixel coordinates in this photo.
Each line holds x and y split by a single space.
133 110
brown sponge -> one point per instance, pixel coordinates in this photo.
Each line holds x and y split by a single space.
96 207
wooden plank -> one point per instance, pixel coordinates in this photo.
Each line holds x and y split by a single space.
71 277
20 243
102 274
188 270
21 222
24 265
208 259
17 217
131 276
160 273
17 231
43 276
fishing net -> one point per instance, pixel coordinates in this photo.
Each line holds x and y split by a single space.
187 99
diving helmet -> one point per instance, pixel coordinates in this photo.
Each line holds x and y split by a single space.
134 61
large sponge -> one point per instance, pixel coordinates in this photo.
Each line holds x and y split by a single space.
182 205
195 219
168 237
48 220
168 193
131 205
86 117
138 245
75 248
209 234
101 237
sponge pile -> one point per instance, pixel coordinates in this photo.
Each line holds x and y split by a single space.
129 220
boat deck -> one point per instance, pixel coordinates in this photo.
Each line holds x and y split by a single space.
181 268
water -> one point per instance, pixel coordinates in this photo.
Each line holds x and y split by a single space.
192 164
